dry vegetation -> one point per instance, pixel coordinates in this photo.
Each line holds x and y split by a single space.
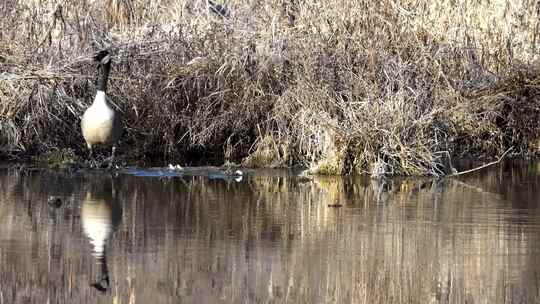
334 85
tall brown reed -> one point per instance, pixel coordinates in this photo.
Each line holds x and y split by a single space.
334 85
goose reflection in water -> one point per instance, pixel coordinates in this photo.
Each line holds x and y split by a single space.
101 215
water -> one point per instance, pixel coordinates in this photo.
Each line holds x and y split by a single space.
269 237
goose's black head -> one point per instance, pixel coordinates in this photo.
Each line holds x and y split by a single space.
103 57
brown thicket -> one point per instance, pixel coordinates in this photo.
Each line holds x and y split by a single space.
333 85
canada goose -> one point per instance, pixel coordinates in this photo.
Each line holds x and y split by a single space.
101 124
101 214
97 224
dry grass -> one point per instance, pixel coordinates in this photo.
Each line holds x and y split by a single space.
330 85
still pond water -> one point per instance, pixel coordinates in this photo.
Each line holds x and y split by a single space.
270 237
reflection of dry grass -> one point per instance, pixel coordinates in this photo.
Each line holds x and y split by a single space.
270 239
332 85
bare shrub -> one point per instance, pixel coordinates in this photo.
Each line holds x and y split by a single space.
334 85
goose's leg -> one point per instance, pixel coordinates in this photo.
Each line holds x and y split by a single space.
111 159
103 284
91 161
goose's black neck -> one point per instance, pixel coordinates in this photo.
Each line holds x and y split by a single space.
103 77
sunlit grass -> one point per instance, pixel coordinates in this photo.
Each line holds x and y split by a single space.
331 85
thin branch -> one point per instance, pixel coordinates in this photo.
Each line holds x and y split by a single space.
484 166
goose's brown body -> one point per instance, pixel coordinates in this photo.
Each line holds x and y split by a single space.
100 123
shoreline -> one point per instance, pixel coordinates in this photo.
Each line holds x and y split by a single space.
464 166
